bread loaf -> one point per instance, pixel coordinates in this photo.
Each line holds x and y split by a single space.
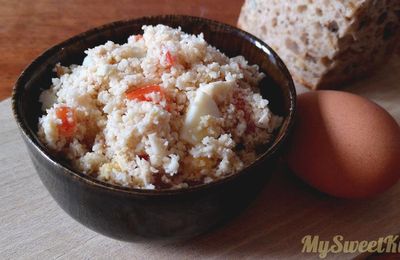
325 42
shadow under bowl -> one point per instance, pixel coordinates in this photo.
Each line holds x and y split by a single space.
134 214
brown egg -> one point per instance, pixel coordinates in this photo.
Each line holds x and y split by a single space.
344 145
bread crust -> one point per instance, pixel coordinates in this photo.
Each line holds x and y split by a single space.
326 43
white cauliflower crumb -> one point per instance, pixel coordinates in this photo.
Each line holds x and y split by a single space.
122 116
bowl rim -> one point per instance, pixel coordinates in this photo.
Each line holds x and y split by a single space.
29 134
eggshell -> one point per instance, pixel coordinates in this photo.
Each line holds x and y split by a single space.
344 145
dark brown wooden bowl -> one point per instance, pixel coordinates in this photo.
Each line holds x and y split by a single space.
135 214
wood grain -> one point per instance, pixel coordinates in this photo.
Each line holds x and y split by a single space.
32 226
27 28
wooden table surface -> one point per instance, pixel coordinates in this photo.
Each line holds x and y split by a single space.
27 28
33 226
